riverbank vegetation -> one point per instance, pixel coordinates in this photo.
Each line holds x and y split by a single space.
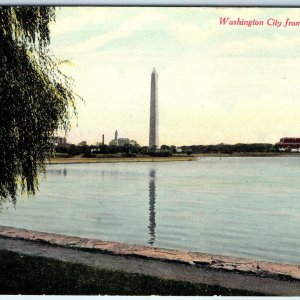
164 151
126 150
230 149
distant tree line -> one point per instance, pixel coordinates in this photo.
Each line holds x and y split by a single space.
228 149
126 150
72 150
165 150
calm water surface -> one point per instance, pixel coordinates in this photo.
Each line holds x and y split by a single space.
244 207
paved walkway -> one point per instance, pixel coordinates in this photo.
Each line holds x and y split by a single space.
228 272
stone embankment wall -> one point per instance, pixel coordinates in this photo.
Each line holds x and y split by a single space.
228 272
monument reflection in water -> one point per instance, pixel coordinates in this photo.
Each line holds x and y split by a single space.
152 197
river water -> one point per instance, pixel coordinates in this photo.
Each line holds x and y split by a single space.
245 207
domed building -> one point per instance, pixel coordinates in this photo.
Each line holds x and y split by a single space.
122 141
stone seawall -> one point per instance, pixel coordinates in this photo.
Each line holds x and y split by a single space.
228 272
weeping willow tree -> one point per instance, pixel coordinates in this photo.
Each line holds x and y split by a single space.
36 99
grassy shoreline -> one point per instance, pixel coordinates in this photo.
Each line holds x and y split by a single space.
34 275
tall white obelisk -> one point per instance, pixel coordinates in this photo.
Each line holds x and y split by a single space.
153 134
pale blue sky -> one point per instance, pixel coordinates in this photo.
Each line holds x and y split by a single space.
216 83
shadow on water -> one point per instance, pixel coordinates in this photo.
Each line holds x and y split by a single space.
152 197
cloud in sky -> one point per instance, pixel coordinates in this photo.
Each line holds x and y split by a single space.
216 83
125 30
72 20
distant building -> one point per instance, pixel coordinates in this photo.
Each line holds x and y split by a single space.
59 141
122 141
83 143
289 144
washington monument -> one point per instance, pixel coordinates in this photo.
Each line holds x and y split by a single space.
153 134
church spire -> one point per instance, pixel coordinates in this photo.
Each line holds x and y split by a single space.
116 137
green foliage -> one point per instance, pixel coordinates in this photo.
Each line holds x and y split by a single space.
72 150
173 149
127 149
144 150
229 149
36 98
189 152
165 148
160 154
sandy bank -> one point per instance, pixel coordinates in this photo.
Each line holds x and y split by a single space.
78 160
